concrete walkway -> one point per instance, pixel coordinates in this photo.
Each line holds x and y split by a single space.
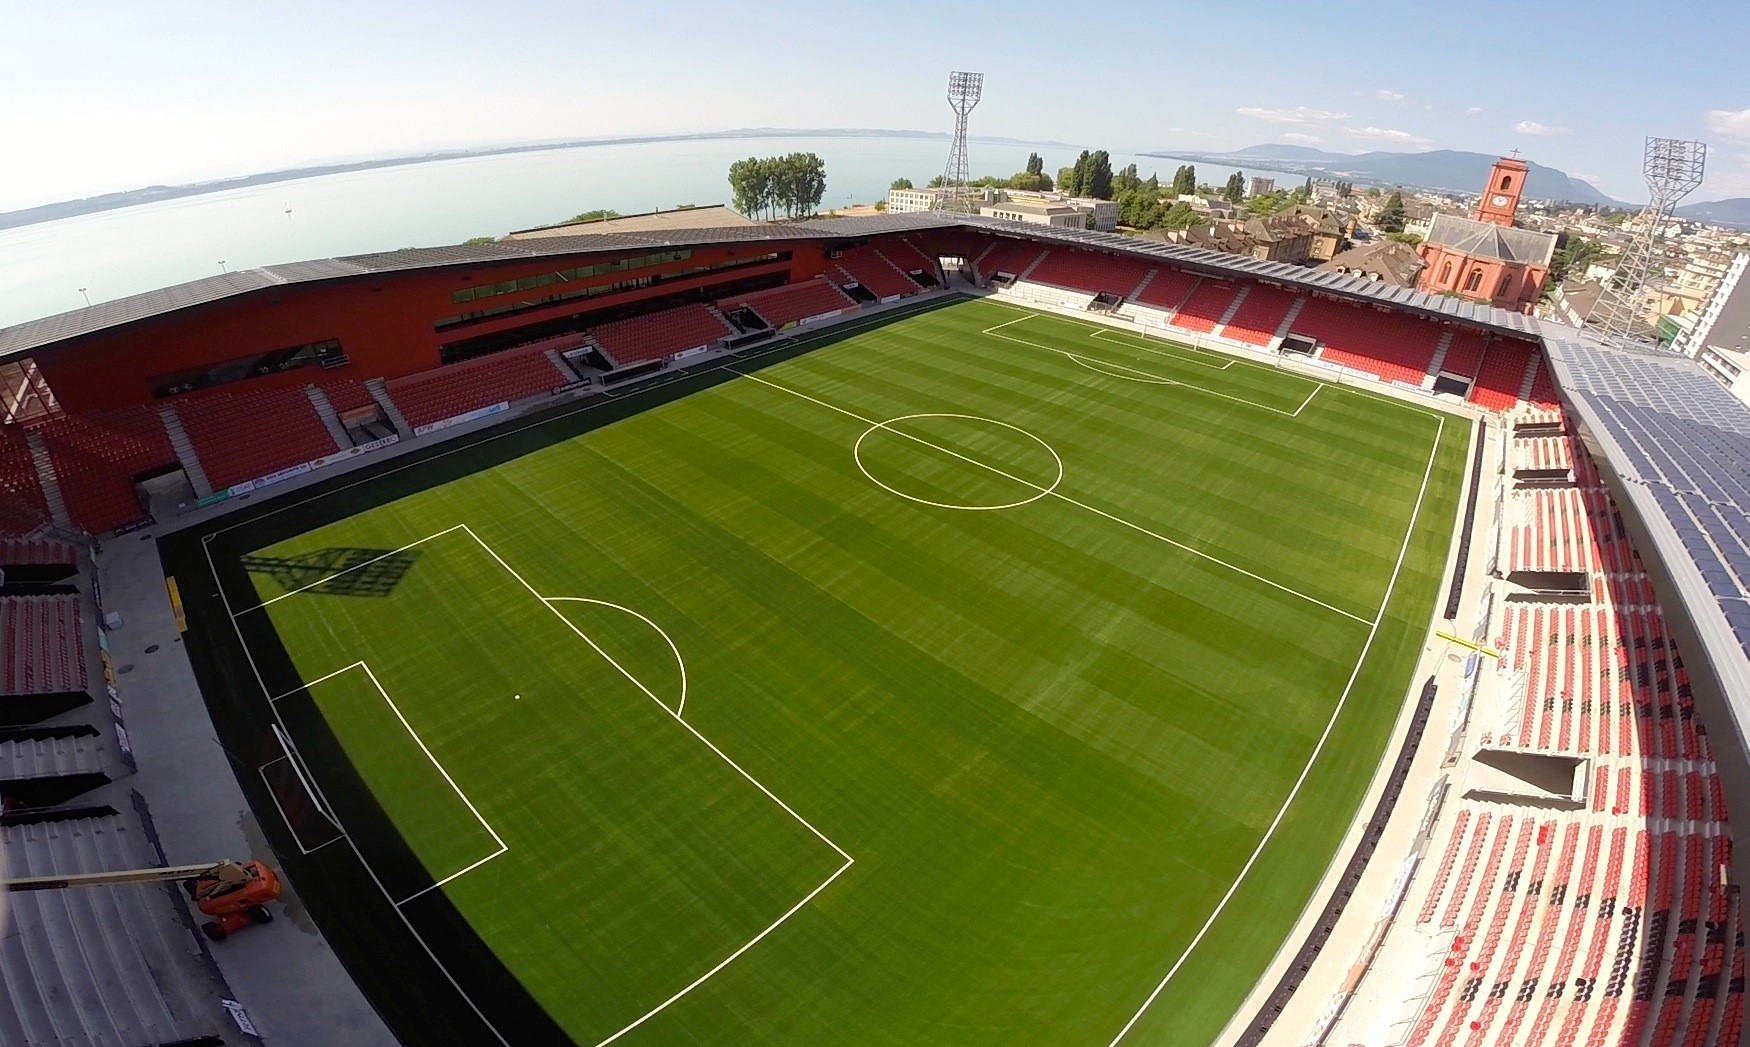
293 986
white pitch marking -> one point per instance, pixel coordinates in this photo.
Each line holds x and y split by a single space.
417 740
648 693
1072 501
348 570
805 823
1155 379
1116 335
1318 383
1306 770
680 706
727 960
1134 376
1040 492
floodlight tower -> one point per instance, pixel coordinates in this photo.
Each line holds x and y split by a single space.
1674 169
964 91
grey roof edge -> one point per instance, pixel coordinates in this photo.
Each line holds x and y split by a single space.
46 331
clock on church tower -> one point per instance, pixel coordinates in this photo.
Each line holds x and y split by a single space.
1500 202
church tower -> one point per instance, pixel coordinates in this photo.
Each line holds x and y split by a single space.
1500 200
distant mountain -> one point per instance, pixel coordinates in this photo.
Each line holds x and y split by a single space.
1444 169
1734 212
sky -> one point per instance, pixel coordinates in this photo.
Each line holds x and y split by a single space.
102 95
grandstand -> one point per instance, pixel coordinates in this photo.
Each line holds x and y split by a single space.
1555 867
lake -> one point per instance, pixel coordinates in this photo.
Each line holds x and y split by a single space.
117 253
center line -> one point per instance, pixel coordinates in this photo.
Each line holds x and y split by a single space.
1060 495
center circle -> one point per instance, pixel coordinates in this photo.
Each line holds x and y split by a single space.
996 468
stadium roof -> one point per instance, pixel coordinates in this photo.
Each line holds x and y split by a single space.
38 334
1680 444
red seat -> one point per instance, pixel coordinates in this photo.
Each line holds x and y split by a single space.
656 335
240 436
870 269
1009 256
1395 347
792 303
1206 305
1091 271
456 389
1257 318
1168 288
1502 375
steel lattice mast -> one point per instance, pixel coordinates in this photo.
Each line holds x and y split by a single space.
964 91
1674 169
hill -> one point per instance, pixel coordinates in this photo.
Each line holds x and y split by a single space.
1450 170
1734 212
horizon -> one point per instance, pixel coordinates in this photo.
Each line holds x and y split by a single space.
208 92
436 155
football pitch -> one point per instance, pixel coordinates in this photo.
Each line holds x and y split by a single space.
981 676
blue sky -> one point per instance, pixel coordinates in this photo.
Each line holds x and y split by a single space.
112 94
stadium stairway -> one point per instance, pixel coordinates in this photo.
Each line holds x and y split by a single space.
110 966
380 393
330 419
1441 348
191 463
52 769
46 478
559 364
1293 314
1531 371
1233 308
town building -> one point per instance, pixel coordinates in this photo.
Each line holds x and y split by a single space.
1720 338
1261 186
1037 212
1484 258
1384 261
902 201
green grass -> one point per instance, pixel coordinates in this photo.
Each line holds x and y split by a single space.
1050 736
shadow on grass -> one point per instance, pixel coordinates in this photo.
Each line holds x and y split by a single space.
337 572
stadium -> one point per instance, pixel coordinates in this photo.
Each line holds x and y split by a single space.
907 629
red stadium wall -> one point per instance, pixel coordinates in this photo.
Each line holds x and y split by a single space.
384 323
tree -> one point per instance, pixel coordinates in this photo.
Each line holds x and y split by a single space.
599 215
1304 193
1345 189
476 241
1125 181
1407 239
1178 216
901 183
1078 177
1390 218
748 187
1235 190
1573 255
1267 204
1099 180
1035 165
1065 178
1185 181
760 186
